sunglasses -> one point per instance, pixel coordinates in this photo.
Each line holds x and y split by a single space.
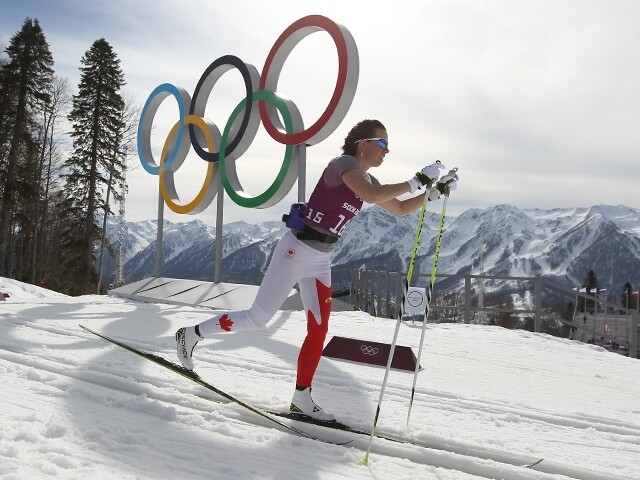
382 142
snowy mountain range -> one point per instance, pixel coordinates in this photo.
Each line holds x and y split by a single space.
560 244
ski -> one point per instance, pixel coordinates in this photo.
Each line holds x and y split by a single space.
269 415
336 425
193 376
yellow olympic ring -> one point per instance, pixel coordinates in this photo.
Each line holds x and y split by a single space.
206 194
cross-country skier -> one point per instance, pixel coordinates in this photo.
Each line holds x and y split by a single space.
303 254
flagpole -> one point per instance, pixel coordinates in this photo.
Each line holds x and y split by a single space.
595 307
626 298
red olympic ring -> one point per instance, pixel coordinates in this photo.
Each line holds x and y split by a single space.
348 69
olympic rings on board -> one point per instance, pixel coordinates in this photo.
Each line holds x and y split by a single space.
242 126
369 350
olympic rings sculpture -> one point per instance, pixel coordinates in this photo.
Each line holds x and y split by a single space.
222 150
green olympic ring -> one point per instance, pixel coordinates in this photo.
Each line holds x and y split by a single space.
288 170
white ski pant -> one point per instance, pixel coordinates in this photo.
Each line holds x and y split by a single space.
292 262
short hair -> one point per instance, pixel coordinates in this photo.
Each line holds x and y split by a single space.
364 129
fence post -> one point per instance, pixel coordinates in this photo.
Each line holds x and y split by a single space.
467 298
399 290
387 304
379 297
361 279
369 292
537 320
633 336
353 288
373 310
372 293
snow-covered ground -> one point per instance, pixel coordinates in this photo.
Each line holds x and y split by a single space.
74 406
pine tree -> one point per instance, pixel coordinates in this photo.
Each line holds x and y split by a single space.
125 143
43 258
24 84
96 117
6 108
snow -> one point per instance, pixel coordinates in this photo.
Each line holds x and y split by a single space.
488 399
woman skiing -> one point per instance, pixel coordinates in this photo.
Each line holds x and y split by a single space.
303 254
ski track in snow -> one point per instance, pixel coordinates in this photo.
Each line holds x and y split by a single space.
488 398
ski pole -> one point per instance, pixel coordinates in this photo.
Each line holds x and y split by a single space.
412 261
414 252
365 461
451 176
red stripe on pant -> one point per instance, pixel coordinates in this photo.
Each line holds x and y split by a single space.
311 349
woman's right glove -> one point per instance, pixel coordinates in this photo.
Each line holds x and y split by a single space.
427 176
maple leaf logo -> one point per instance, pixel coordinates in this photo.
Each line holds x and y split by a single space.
225 323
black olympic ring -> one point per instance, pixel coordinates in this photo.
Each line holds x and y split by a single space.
250 120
